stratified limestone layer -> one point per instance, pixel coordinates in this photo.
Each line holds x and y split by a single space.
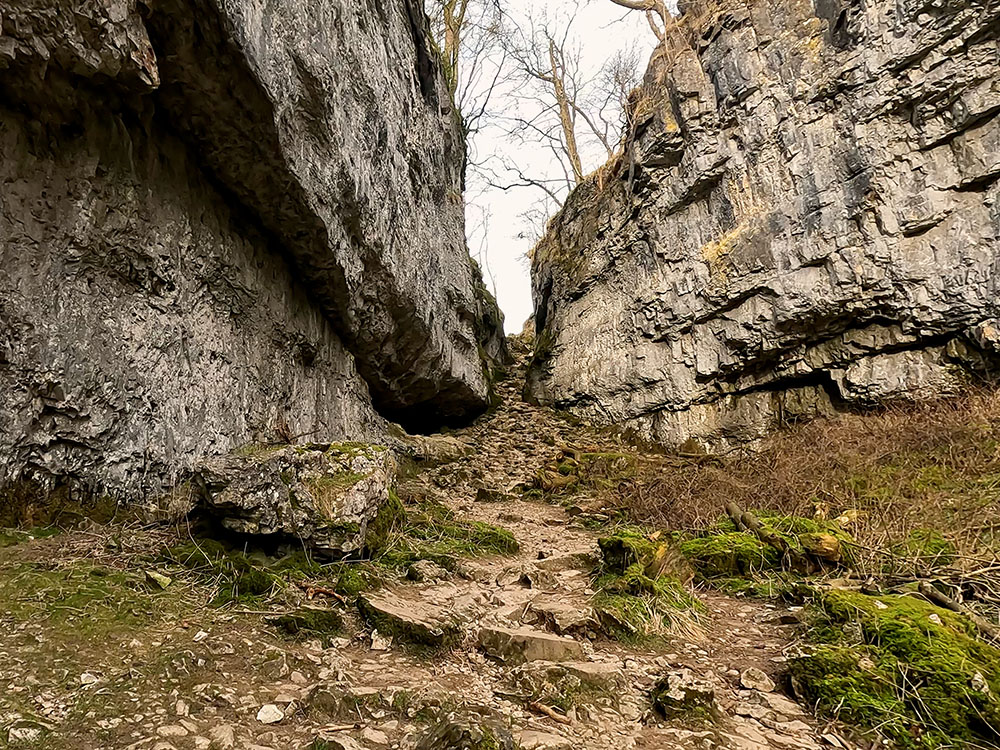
805 217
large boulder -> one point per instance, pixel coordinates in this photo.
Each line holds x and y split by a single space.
804 218
226 221
322 496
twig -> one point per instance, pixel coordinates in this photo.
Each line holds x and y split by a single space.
942 600
312 589
550 712
745 520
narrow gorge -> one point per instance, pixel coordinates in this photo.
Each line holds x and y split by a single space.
273 478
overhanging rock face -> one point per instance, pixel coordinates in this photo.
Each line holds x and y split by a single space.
226 221
805 217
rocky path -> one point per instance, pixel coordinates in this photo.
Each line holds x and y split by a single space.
527 629
519 644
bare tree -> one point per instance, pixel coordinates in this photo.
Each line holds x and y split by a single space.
657 14
573 115
467 33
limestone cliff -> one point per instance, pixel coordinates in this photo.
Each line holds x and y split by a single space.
225 221
805 217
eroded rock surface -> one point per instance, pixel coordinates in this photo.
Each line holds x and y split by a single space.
223 222
323 496
805 217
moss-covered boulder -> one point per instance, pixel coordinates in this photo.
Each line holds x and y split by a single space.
309 622
805 545
730 553
680 696
898 664
323 495
641 586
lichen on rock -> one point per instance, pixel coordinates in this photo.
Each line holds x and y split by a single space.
323 495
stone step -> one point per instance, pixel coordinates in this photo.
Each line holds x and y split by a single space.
516 646
410 620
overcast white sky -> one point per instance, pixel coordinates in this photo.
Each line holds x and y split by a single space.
600 28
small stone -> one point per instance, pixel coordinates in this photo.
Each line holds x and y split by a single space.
158 580
89 679
25 733
756 679
378 642
172 730
426 570
681 695
223 736
270 714
374 736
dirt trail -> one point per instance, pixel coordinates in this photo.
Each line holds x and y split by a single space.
203 678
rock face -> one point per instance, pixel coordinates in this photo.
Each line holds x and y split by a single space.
805 217
225 221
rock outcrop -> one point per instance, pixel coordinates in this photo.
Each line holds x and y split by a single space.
221 222
804 217
322 496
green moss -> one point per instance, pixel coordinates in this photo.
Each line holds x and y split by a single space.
259 450
729 554
239 580
430 531
724 552
915 672
689 704
390 519
357 577
12 537
79 600
787 587
926 548
310 622
624 548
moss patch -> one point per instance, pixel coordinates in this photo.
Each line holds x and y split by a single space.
915 672
310 622
429 531
730 553
639 594
83 601
722 551
239 579
13 537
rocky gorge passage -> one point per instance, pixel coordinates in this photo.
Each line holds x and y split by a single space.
104 650
803 219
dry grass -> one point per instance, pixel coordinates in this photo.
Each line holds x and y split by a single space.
896 472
